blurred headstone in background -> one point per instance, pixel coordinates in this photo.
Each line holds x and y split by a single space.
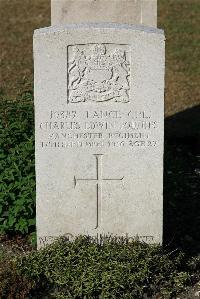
116 11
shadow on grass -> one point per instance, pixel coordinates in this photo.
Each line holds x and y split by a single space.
182 181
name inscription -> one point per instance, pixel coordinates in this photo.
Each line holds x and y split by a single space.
99 129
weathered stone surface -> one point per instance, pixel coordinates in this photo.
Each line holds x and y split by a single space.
99 93
116 11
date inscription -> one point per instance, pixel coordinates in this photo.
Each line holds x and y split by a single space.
99 129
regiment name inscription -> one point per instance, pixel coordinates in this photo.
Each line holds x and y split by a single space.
113 128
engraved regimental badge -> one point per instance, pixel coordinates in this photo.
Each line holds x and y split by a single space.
98 73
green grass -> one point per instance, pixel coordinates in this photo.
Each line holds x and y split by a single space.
17 167
180 20
85 269
182 35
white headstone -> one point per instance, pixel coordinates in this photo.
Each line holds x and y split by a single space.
116 11
99 93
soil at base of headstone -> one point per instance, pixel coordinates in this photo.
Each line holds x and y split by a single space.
192 292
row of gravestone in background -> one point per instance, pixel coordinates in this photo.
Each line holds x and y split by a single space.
115 11
99 111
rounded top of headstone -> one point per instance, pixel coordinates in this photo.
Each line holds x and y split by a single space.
103 25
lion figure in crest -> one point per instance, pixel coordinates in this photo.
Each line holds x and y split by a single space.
99 76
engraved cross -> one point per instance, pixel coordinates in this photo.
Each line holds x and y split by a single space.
98 181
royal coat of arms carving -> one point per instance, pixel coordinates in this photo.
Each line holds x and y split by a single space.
98 73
